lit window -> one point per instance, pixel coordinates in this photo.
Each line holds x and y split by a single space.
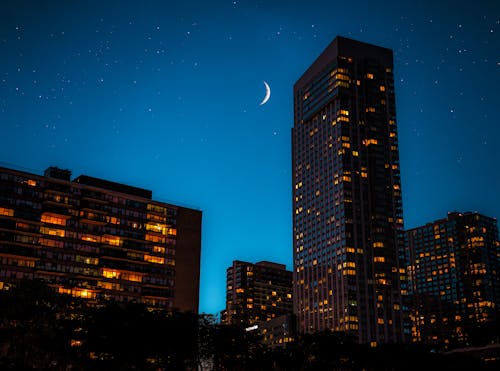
6 212
52 231
382 88
159 249
157 227
53 219
111 240
369 76
108 273
154 259
379 259
90 238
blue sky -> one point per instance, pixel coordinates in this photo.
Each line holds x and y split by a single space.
165 96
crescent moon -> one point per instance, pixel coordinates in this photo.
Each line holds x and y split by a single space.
268 94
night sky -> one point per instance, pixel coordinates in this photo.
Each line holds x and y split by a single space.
165 95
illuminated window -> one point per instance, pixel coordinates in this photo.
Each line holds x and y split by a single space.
378 244
154 259
379 259
157 227
157 209
112 220
90 238
6 212
370 109
52 231
52 219
78 292
155 238
367 142
172 232
369 76
111 240
159 249
156 218
109 273
382 88
131 277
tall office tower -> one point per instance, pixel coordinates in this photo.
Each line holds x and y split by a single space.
349 272
257 292
98 240
454 270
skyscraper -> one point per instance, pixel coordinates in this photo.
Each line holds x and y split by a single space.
349 272
98 240
454 269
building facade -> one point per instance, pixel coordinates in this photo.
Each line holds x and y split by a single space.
454 270
349 271
98 240
257 292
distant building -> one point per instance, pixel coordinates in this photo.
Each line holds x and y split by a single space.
348 238
98 240
454 268
279 331
257 293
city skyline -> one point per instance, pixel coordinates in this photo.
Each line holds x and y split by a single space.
181 85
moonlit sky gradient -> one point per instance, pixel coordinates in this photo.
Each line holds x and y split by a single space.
165 95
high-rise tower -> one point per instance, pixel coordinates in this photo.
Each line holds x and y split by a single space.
349 272
454 282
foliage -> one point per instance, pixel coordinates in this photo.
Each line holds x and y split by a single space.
43 330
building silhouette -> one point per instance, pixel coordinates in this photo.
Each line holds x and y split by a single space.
454 270
98 240
257 292
348 239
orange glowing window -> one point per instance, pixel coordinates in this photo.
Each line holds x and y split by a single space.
52 219
112 240
159 249
110 273
154 259
6 212
52 231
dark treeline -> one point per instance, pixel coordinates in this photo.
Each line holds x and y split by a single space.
40 329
